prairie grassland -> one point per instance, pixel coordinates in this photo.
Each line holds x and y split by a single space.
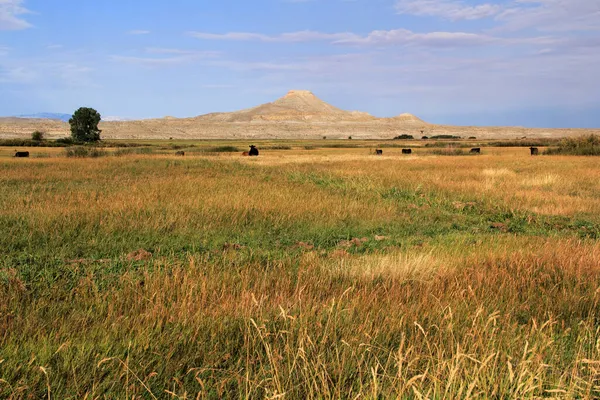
300 274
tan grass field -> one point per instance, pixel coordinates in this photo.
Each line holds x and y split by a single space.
320 273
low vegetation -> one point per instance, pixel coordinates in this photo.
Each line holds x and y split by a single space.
450 152
494 143
404 137
525 143
445 145
31 143
67 141
132 151
277 147
300 274
221 149
584 146
341 145
82 152
444 137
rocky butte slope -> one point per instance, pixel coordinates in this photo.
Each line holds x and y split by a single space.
409 120
297 115
296 106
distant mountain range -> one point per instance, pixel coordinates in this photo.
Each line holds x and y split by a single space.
295 106
65 117
54 116
297 115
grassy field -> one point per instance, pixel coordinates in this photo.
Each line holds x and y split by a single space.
310 272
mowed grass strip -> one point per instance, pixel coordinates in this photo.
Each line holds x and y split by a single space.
424 278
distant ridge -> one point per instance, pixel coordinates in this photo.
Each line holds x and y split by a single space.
65 117
295 106
52 116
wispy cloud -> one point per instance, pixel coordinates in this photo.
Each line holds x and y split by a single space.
189 52
301 36
17 75
71 74
269 66
432 39
391 37
447 9
381 38
10 12
166 57
138 32
42 73
552 15
542 15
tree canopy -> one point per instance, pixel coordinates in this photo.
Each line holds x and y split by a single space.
84 125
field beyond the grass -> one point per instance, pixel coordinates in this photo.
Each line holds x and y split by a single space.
310 272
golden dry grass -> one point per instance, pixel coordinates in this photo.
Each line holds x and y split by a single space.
326 273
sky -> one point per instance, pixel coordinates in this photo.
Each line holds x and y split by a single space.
466 62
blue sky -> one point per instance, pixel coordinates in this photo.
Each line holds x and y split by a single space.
467 62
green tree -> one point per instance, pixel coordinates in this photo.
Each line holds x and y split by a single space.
84 125
38 136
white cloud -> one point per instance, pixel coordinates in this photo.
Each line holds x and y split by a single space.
448 9
552 15
149 61
301 36
164 50
138 32
569 16
70 73
543 15
395 37
171 56
41 72
244 65
431 39
10 10
17 75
